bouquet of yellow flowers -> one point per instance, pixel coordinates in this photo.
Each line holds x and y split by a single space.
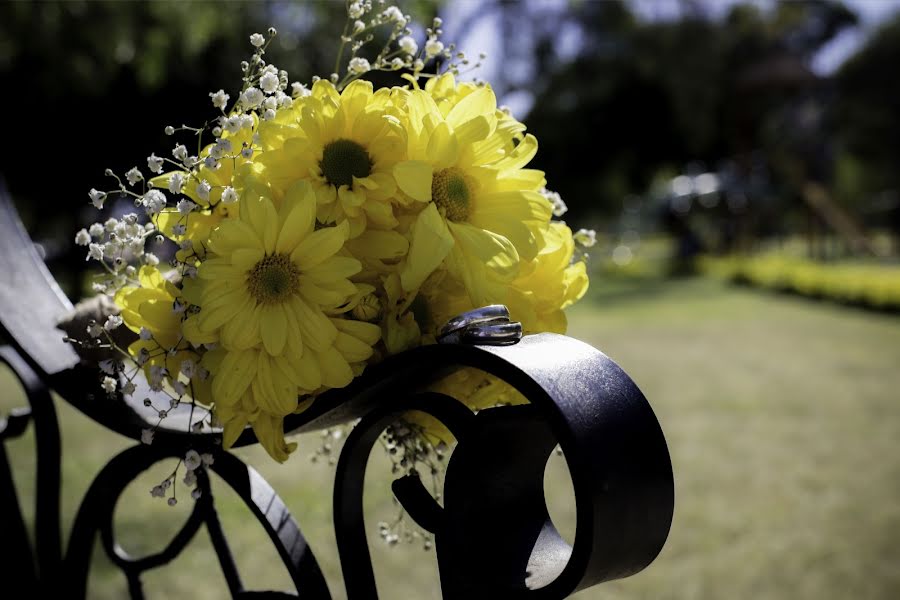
324 227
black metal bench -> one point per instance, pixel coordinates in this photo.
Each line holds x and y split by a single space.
579 399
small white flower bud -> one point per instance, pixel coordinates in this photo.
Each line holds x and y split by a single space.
190 478
176 182
408 45
192 460
355 10
186 206
97 198
433 47
109 385
95 251
257 40
269 82
179 152
252 97
229 196
83 238
154 163
220 99
112 322
585 237
358 66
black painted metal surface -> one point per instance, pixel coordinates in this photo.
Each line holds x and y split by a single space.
579 399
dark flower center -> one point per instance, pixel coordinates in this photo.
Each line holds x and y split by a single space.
342 160
451 190
273 279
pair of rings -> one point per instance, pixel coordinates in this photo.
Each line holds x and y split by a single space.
489 325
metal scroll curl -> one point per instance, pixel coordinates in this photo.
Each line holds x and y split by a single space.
98 507
580 399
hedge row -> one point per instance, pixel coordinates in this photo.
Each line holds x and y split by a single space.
871 285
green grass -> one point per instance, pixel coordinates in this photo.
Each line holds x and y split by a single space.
783 422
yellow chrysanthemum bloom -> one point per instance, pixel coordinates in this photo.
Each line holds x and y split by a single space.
483 208
271 292
346 144
536 298
270 276
548 285
151 306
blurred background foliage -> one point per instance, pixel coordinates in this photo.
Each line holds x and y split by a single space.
622 105
678 129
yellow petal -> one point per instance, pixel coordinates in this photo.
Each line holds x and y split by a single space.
270 432
490 249
273 328
317 330
192 333
232 234
431 241
479 102
386 245
300 219
474 130
414 178
369 333
334 268
443 149
320 245
243 332
351 348
521 156
245 259
233 429
234 376
336 373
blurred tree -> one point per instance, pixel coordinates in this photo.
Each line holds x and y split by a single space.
641 96
867 117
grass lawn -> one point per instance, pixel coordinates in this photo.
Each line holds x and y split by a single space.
783 421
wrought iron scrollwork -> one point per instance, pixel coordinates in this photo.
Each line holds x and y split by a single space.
579 399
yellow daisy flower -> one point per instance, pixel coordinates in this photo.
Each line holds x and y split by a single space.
483 209
346 144
270 277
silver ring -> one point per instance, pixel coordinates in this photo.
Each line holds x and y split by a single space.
489 325
479 315
499 334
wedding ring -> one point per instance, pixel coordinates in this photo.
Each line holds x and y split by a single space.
488 325
478 315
